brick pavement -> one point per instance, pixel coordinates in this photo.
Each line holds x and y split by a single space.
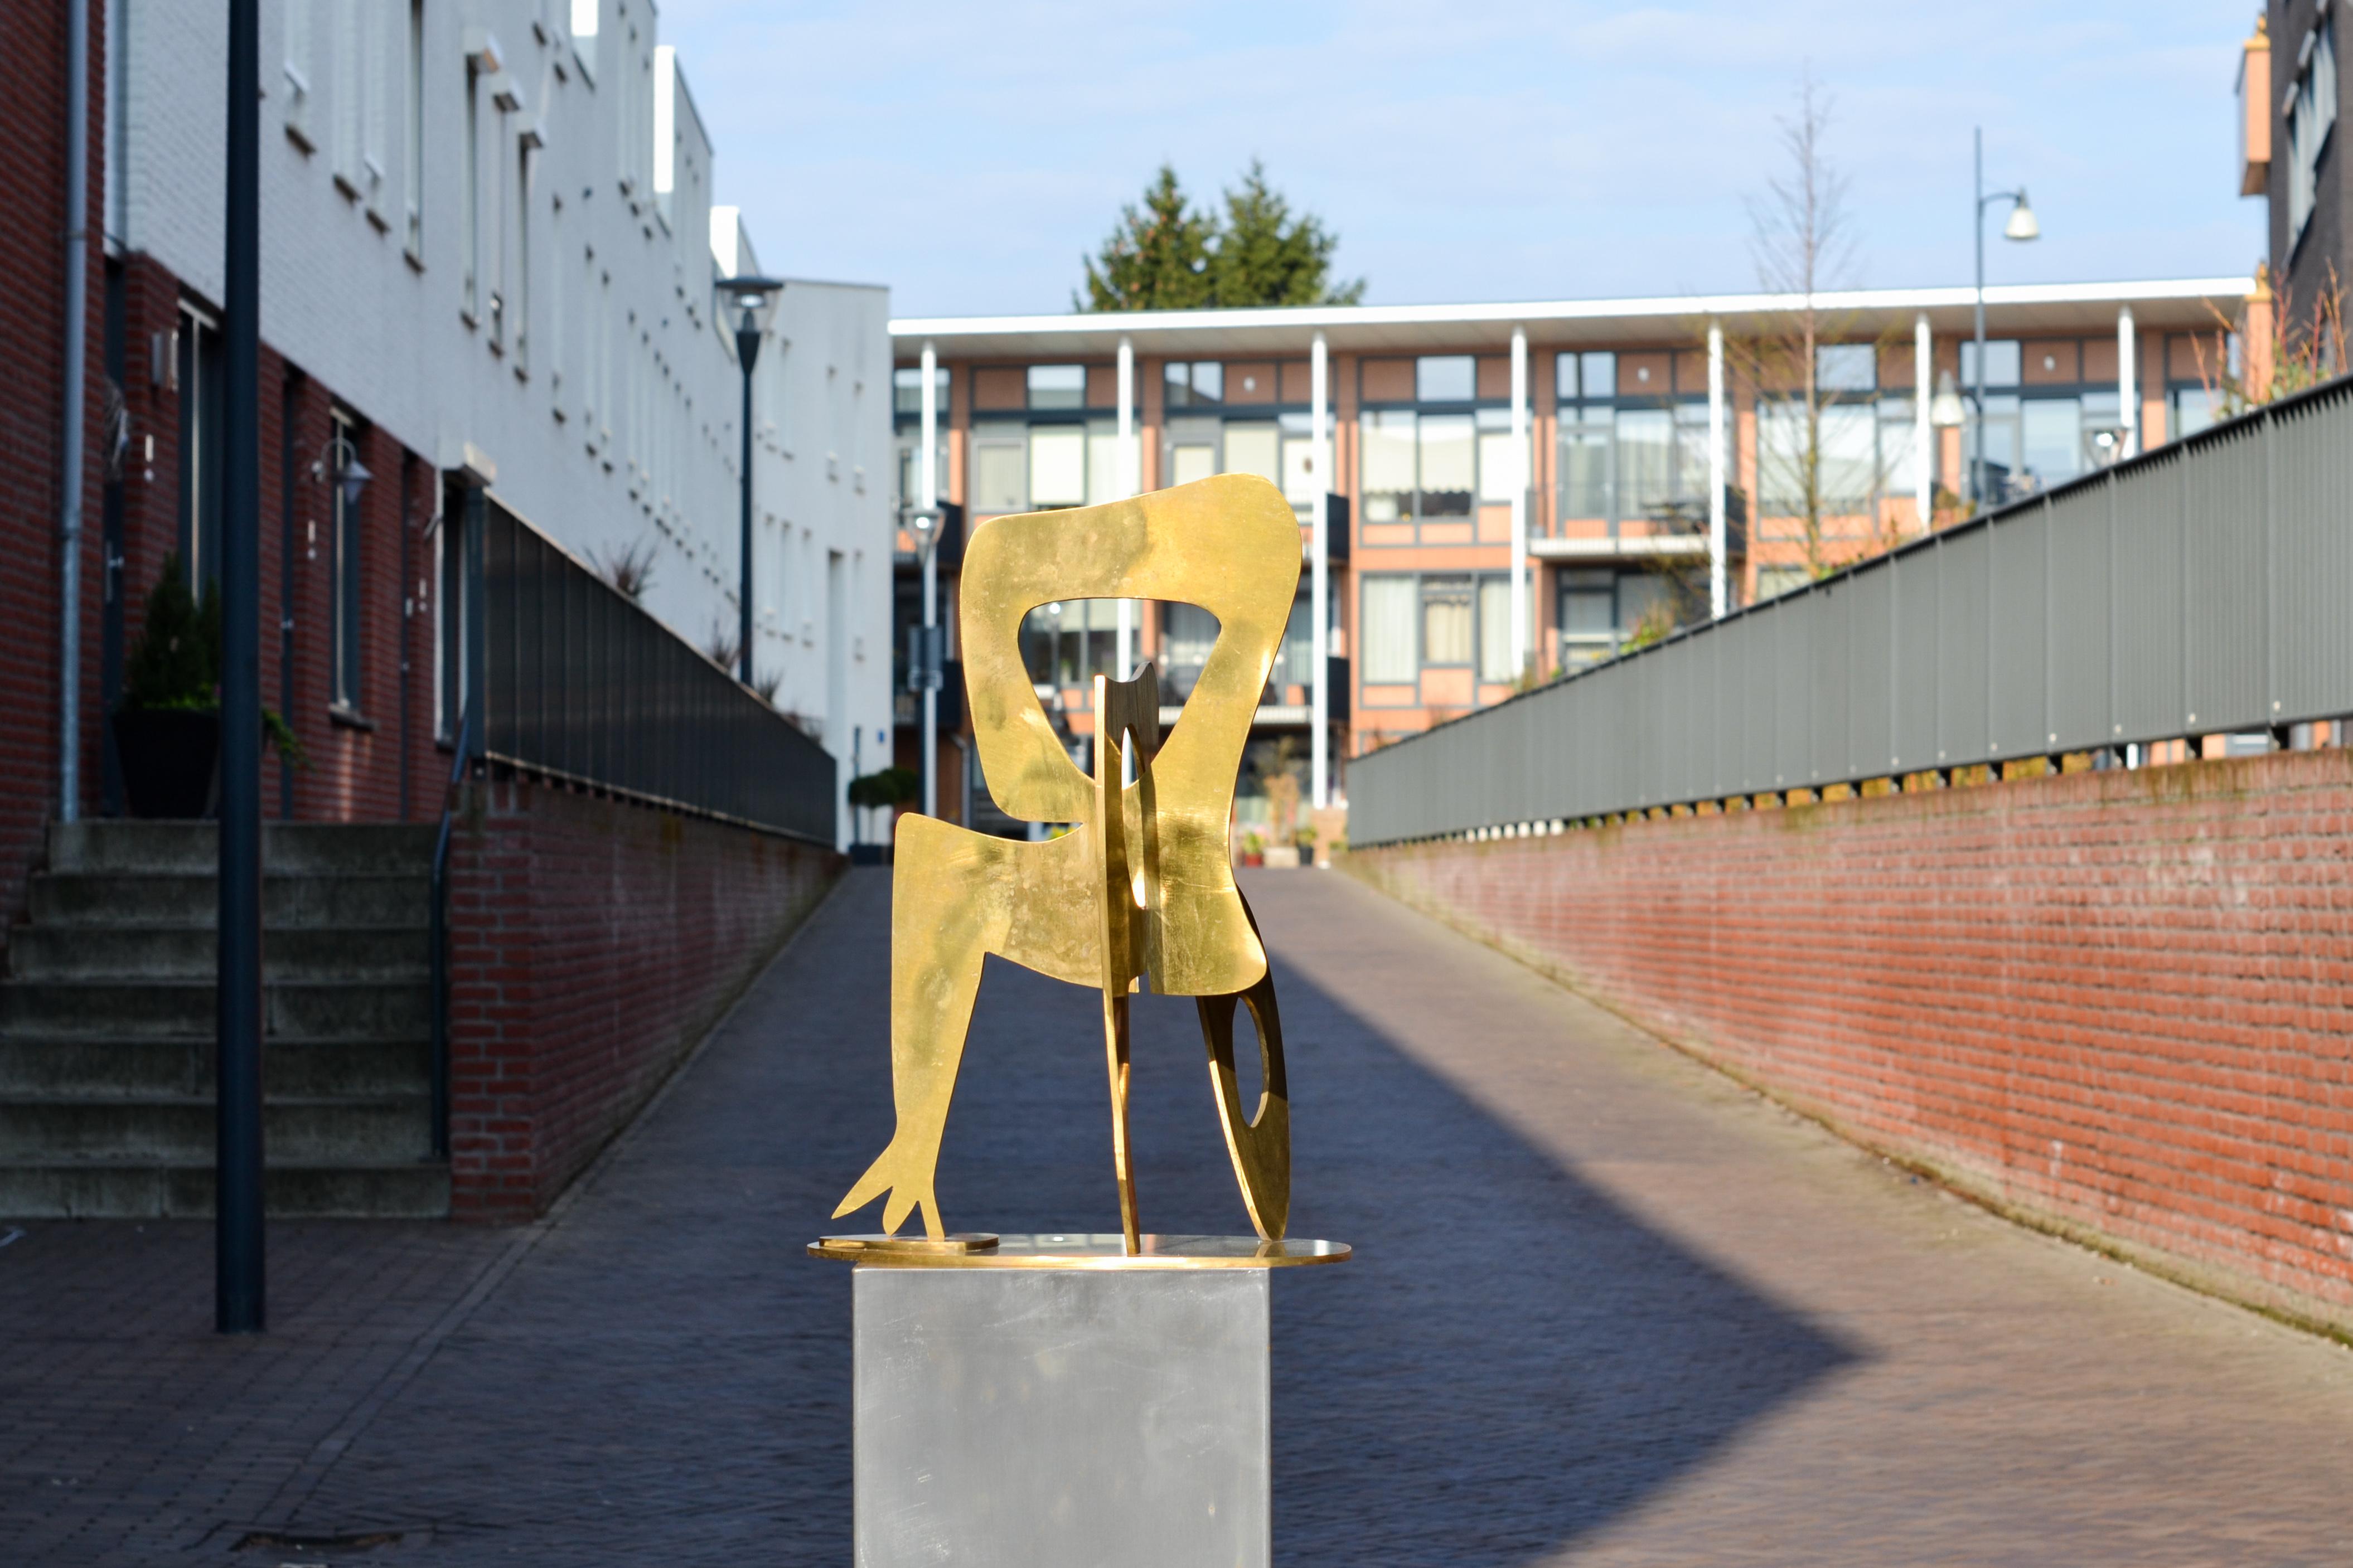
1607 1308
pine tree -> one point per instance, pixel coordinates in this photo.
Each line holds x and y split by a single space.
1169 256
1158 258
1265 256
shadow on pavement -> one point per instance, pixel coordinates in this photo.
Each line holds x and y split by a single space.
1511 1361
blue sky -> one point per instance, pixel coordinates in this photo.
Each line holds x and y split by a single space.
968 156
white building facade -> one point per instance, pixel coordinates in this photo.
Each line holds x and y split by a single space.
488 231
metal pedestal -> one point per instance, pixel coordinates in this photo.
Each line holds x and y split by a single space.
1082 1410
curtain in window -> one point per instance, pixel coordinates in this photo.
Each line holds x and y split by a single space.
1188 463
1389 465
1583 468
1250 449
1496 660
1448 465
1446 620
1646 460
1057 466
999 477
1850 458
1388 641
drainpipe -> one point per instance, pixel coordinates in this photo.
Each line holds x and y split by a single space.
73 396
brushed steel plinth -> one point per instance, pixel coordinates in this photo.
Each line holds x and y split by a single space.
1061 1417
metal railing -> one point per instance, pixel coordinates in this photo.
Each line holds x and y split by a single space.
2203 588
577 683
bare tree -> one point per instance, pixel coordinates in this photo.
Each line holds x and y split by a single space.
1803 244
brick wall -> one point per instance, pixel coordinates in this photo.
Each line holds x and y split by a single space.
32 421
2117 1005
592 943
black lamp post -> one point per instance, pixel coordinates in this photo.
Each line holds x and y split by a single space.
2020 228
754 300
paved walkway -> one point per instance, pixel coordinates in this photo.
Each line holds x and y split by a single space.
1607 1308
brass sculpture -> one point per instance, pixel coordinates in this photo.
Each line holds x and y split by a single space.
1141 892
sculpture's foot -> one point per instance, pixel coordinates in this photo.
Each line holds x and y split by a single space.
905 1173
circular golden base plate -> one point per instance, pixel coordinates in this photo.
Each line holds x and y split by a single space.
1078 1251
866 1247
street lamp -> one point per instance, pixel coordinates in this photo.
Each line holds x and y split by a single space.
2022 226
754 300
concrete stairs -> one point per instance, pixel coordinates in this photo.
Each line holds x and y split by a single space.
107 1025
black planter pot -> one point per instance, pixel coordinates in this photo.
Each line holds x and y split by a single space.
170 756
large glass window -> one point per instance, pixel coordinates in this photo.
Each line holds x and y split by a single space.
1638 458
1495 653
1448 465
1254 449
1057 466
1000 471
2002 360
1445 378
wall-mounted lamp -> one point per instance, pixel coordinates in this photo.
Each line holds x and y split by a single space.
343 460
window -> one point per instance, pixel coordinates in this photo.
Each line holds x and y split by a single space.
471 197
1000 471
1054 386
1069 643
1386 632
2190 410
1640 457
2311 117
343 541
343 108
1198 385
413 153
2001 362
1057 466
1446 620
1498 458
1254 449
1497 662
1601 607
1846 367
907 389
1389 465
1188 633
202 445
521 305
1447 378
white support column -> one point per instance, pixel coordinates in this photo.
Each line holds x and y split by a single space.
1124 485
1924 434
2127 381
1319 603
1719 591
1522 635
927 494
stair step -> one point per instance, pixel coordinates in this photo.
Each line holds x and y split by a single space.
373 1010
102 1066
347 902
129 1189
136 955
308 848
180 1128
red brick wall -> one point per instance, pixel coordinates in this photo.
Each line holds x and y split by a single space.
592 943
32 421
2117 1004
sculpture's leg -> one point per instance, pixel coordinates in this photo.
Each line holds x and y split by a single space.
947 913
1259 1144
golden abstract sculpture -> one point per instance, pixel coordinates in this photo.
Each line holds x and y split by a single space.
1140 894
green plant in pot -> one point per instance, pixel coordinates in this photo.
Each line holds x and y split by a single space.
880 790
168 726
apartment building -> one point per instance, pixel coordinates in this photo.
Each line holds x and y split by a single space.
1511 491
2292 87
489 257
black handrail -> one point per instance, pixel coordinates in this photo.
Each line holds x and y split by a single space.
439 901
